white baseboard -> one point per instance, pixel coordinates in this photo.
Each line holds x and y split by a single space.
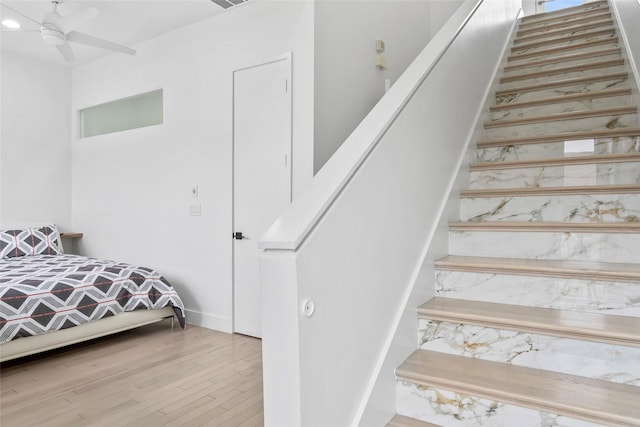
209 321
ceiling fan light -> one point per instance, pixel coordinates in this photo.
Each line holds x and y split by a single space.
52 36
11 24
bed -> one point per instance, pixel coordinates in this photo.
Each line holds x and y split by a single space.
49 299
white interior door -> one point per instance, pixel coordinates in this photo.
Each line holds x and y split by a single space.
261 175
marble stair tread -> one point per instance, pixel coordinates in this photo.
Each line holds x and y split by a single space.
569 30
546 226
552 191
561 49
560 40
562 116
563 70
564 58
578 397
402 421
587 270
567 10
579 20
557 161
557 137
562 82
606 93
603 328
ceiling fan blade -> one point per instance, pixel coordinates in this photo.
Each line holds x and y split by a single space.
21 14
66 52
69 22
82 38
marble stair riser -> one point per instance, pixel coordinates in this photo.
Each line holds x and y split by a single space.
518 95
541 28
565 39
549 53
573 208
522 49
563 125
559 76
559 64
615 363
562 107
557 149
450 409
561 72
589 296
564 32
526 35
605 247
557 176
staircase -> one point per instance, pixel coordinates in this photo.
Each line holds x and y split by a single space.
536 318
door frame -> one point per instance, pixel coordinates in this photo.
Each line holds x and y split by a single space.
287 57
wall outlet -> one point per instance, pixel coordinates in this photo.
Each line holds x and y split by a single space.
195 209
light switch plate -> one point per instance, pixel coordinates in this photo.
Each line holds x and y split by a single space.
195 209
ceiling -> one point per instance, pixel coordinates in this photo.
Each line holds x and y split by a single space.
121 21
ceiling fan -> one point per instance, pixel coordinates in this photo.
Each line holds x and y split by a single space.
57 30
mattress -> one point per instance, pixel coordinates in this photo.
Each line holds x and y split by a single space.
44 293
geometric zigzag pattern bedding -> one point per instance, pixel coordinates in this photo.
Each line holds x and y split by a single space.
44 293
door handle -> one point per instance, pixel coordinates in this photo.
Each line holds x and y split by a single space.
239 236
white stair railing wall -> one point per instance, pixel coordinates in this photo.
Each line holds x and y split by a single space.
339 267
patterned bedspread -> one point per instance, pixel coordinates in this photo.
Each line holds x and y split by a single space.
43 293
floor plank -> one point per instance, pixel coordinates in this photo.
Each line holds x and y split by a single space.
148 376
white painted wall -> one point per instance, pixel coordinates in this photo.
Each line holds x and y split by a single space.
529 7
347 82
131 190
356 242
627 14
35 142
440 12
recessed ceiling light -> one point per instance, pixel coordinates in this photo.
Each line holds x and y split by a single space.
10 23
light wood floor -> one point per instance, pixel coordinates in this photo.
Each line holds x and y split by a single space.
145 377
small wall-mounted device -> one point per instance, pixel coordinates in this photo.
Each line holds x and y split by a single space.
381 63
379 46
